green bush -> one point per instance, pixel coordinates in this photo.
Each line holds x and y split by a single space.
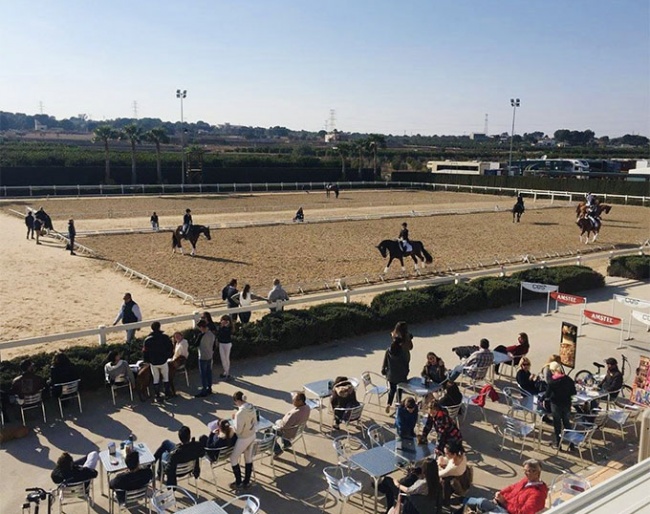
570 279
412 306
630 266
497 291
455 299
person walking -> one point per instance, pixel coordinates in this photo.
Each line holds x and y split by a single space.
245 298
560 390
277 294
154 222
227 294
224 338
157 349
29 221
72 233
205 343
129 313
245 424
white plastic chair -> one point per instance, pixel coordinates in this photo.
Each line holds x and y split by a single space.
341 486
166 501
120 382
565 486
371 388
32 401
251 503
346 446
78 492
515 429
69 391
222 458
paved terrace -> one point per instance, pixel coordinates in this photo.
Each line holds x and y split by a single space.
268 381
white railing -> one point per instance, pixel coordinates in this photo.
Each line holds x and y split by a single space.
344 295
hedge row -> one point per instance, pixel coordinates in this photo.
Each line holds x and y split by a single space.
323 323
630 266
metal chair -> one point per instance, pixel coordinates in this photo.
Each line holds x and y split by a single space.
120 382
580 437
184 471
376 435
476 377
565 486
341 486
512 364
517 401
77 492
468 402
626 416
454 411
515 429
222 458
251 503
350 415
265 447
371 388
597 417
299 434
69 391
345 446
165 500
32 401
131 498
183 369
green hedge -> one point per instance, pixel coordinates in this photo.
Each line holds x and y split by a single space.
630 266
320 324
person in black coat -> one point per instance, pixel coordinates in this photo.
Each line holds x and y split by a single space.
395 368
171 455
72 233
29 222
61 372
134 478
560 390
157 349
69 471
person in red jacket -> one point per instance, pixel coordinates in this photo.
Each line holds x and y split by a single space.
528 496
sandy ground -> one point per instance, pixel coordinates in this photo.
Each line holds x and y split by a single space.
58 293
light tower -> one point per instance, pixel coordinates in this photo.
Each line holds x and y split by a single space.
514 103
181 94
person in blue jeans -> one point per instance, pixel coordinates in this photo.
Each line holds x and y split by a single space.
206 344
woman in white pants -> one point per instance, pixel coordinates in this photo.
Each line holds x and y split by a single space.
245 425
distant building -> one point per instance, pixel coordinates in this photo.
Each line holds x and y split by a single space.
546 142
479 136
333 136
39 127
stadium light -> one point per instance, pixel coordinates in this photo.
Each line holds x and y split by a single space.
514 103
182 94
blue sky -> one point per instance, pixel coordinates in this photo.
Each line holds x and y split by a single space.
420 66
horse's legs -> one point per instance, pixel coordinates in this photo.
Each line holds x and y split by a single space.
387 265
595 237
193 249
401 260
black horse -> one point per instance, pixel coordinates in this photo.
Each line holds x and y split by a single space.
517 211
193 235
393 249
588 226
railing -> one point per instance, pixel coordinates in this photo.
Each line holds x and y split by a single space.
168 189
344 295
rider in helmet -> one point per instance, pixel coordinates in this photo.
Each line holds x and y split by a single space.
520 201
300 215
187 222
592 208
403 238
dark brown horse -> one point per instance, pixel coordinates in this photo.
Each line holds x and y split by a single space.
393 249
588 227
582 210
192 236
517 211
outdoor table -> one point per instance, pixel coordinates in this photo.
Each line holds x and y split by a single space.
146 458
499 358
319 390
264 424
587 395
207 507
418 388
531 405
376 462
422 451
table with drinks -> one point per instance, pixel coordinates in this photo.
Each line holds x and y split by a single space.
112 459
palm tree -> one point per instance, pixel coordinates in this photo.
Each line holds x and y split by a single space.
105 133
374 142
344 151
358 147
157 136
134 134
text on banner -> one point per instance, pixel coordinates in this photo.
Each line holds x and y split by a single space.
602 319
568 298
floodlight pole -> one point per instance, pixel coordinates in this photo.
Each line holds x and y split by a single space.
181 95
514 102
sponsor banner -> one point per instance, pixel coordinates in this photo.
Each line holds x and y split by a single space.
568 298
539 288
602 319
643 317
568 344
632 302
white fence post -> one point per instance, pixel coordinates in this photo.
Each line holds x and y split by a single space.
102 335
197 317
346 296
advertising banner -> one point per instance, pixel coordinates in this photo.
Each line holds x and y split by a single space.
602 319
539 288
642 317
568 344
632 302
568 298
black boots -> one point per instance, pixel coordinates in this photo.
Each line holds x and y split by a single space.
248 471
237 472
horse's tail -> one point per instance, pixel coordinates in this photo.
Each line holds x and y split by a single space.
427 256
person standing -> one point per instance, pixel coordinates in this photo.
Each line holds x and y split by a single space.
29 221
245 424
224 338
154 221
38 226
277 294
72 233
245 298
227 294
205 343
129 313
156 350
395 368
560 390
187 222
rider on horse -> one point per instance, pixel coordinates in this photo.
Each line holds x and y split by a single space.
187 222
300 215
520 202
403 239
592 209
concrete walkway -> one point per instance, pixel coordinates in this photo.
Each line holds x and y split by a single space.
268 381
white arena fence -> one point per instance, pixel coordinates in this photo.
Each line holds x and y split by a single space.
342 295
267 187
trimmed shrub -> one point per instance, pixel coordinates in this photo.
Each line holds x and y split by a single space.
394 306
630 266
497 291
570 279
456 299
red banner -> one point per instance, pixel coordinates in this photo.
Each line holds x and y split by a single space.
568 298
602 319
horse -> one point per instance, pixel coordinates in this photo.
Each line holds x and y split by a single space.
588 226
193 235
393 249
517 211
581 209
